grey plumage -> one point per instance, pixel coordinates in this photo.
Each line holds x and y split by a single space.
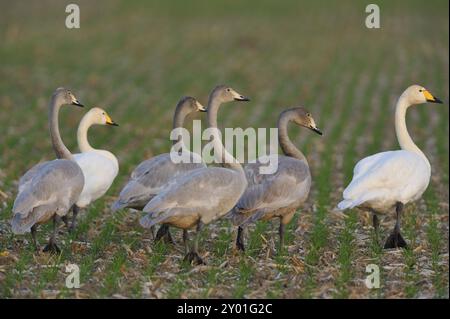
53 189
288 187
281 193
202 195
150 176
49 189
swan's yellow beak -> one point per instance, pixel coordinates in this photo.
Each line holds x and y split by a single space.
110 121
430 98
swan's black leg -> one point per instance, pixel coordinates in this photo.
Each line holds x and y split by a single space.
395 239
66 221
164 233
281 232
33 237
152 232
240 245
186 241
51 247
75 210
376 226
193 256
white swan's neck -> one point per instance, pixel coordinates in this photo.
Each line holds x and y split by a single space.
83 143
403 137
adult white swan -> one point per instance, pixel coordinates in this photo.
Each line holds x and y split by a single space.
392 179
202 195
100 167
48 190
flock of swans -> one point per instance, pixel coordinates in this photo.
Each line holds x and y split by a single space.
192 195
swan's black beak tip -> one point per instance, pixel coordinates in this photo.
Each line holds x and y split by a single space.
315 129
113 124
77 103
242 99
435 100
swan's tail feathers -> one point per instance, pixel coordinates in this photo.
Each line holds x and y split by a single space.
349 203
231 214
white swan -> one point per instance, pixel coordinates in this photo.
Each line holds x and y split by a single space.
392 179
100 167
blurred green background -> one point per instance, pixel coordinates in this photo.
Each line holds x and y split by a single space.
137 58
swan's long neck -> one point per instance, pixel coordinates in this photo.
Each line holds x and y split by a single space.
181 112
83 143
289 149
60 149
226 159
403 137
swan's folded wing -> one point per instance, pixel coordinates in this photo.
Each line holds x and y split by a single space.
366 163
204 189
287 185
154 173
54 180
391 171
30 174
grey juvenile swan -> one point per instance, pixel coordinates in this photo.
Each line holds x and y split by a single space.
50 189
150 176
281 193
204 194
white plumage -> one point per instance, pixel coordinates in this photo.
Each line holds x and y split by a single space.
100 167
381 180
395 178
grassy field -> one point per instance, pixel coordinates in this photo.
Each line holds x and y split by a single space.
137 59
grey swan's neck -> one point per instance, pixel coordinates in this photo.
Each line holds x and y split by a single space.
181 112
288 148
226 159
60 149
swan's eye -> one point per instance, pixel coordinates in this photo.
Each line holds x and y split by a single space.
421 90
228 90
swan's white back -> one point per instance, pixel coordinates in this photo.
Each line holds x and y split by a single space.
381 180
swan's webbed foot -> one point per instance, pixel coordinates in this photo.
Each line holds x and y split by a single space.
52 248
194 259
395 240
164 234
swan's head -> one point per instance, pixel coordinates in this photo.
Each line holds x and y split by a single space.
191 104
417 94
99 116
304 118
224 94
65 96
